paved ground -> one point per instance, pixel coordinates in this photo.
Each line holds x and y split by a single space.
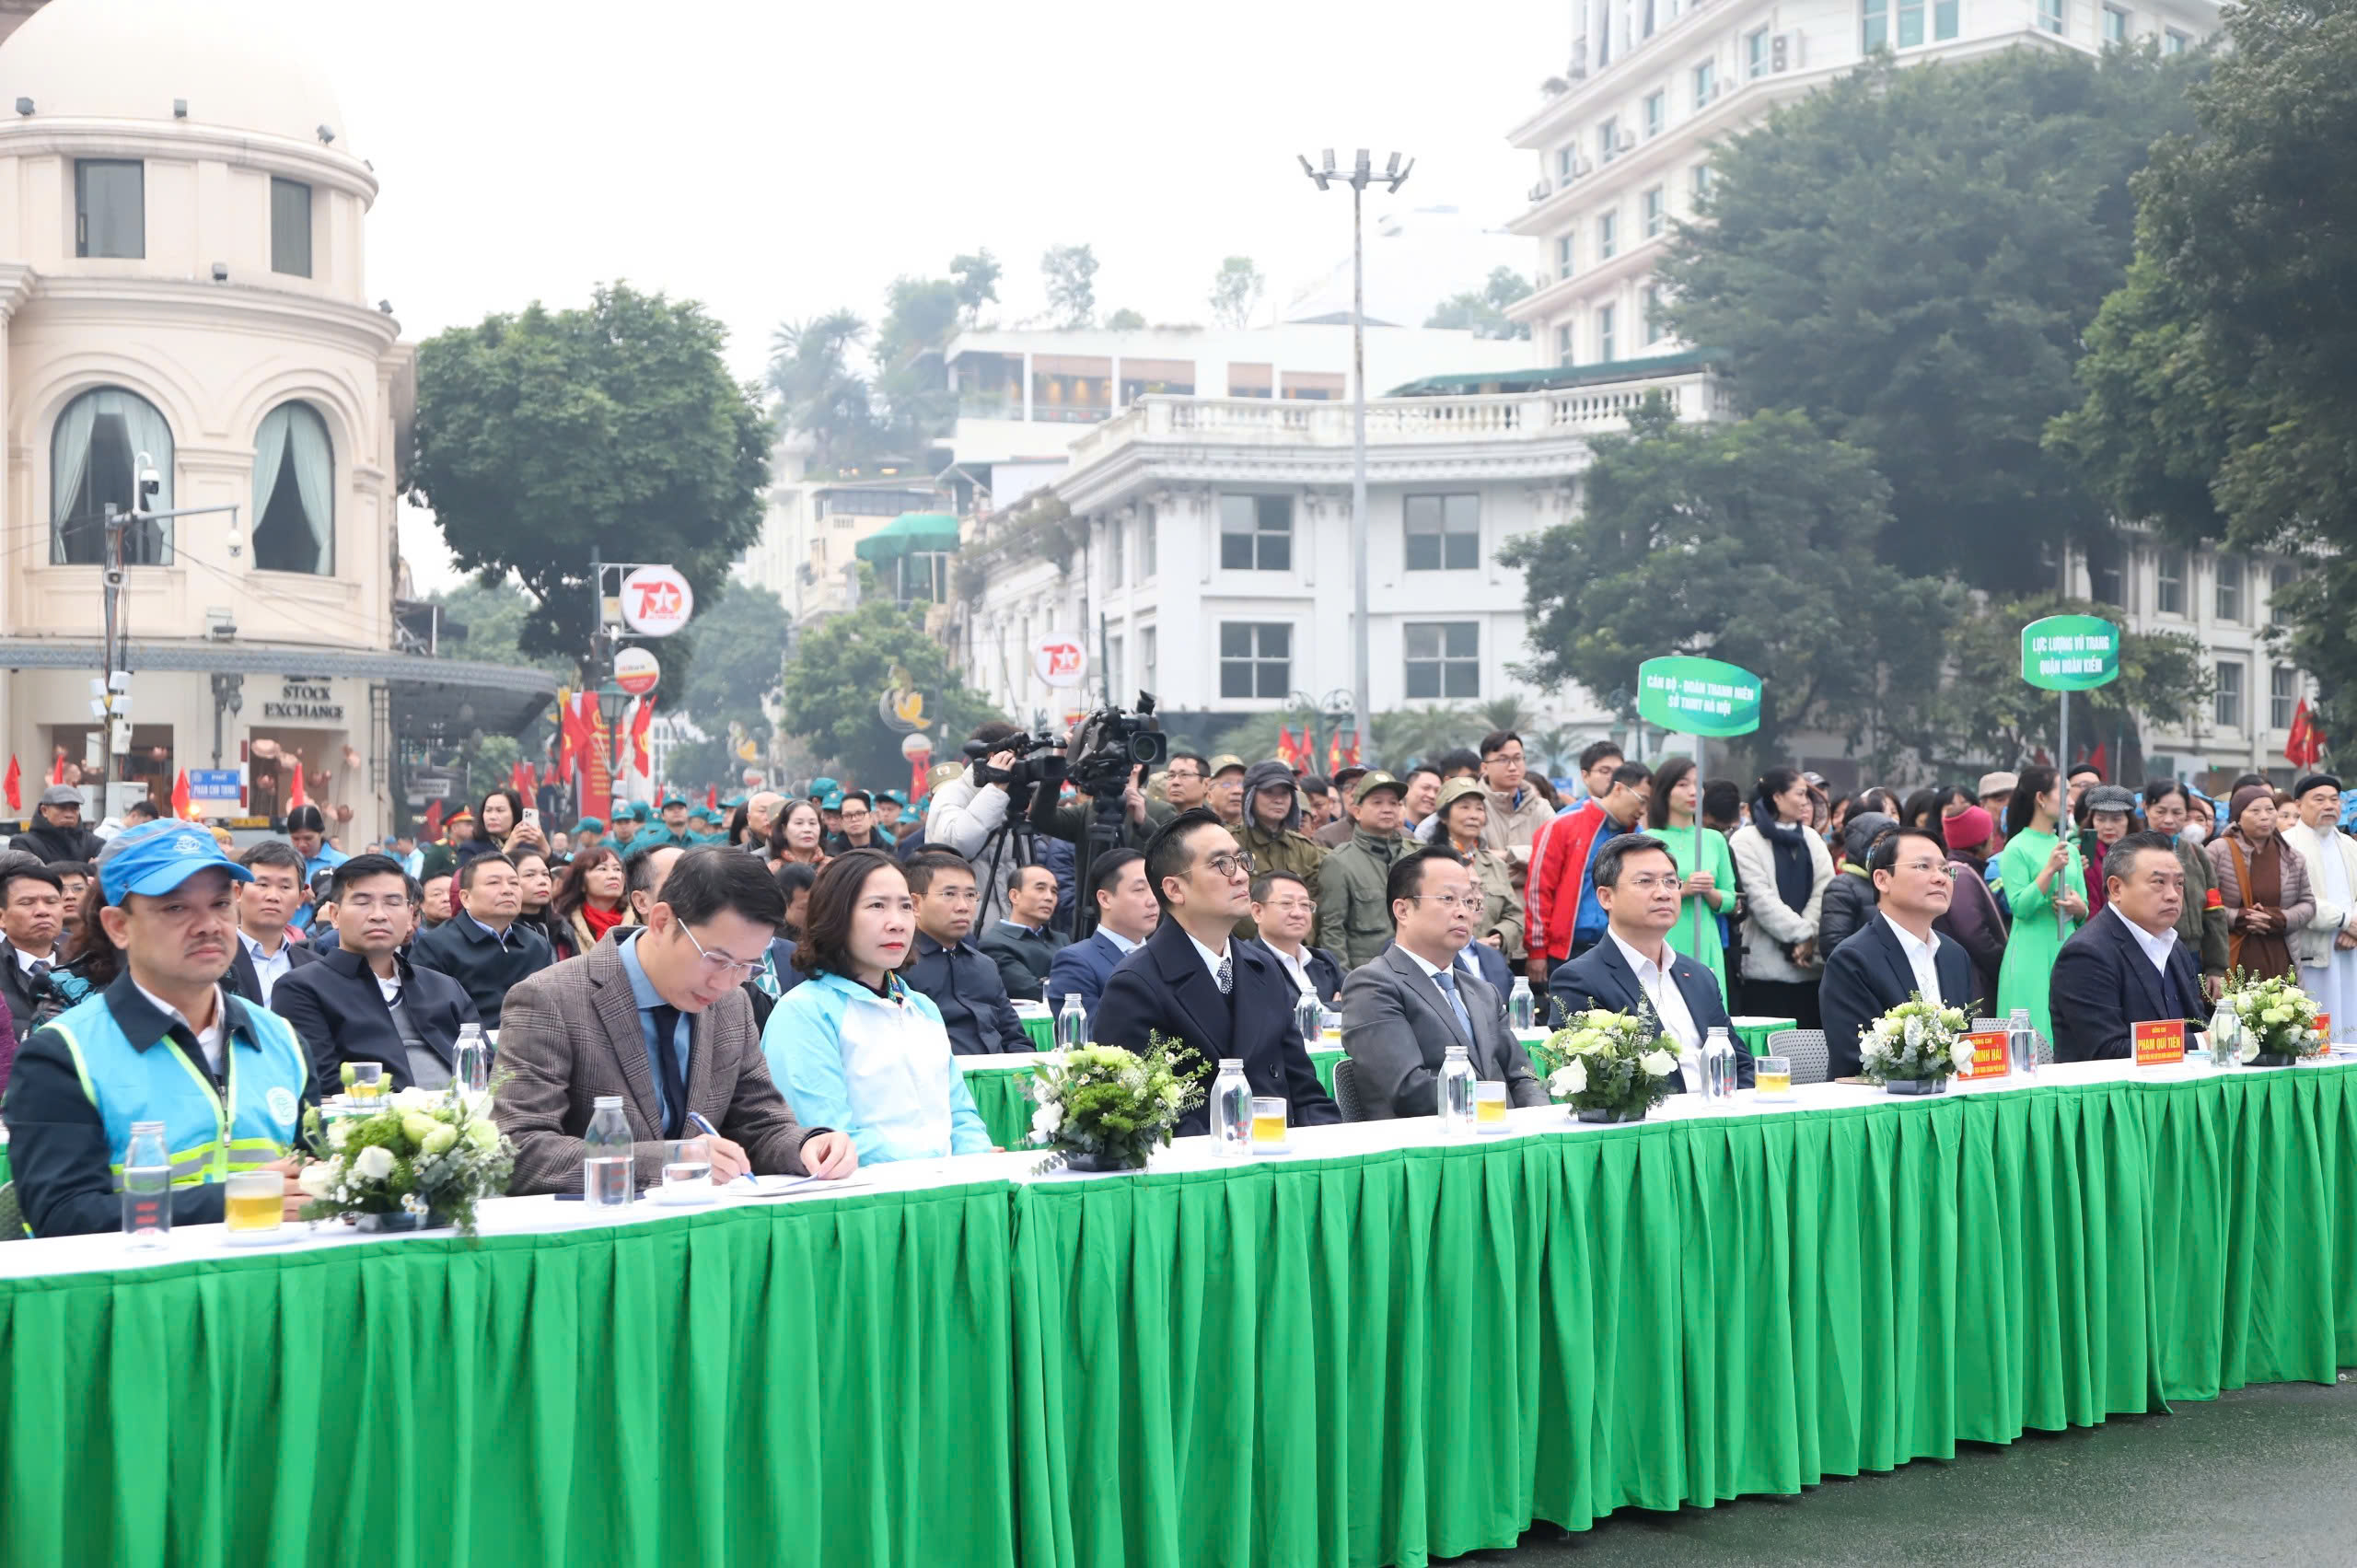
2263 1476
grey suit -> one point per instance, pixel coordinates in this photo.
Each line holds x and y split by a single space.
571 1033
1397 1024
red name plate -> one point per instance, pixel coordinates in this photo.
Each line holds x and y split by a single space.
1988 1055
2160 1042
2324 1026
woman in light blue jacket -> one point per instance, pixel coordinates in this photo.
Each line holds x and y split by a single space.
852 1047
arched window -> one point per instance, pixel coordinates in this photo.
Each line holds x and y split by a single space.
294 492
94 457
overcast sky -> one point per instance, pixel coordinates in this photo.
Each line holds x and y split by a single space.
775 158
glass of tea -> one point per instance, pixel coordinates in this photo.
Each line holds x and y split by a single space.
1489 1106
1772 1077
254 1203
366 1086
1269 1124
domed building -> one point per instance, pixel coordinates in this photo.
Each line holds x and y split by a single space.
185 328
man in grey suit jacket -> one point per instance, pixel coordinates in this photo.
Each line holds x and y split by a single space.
661 1020
1402 1011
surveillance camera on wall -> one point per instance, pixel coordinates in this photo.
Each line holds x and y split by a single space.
151 484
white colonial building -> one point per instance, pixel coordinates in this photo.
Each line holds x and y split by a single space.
1214 566
1624 140
183 294
812 526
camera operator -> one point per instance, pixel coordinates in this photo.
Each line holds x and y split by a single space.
993 812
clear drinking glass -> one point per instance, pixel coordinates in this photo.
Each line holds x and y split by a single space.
1489 1106
1268 1125
254 1203
686 1170
367 1084
1772 1077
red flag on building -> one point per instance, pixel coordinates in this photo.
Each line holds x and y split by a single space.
15 784
180 797
642 725
2306 747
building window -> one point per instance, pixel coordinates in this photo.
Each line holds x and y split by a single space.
1755 53
1699 185
1313 386
1564 155
2170 599
1607 140
1605 351
2228 708
1655 328
1943 19
1444 533
1563 346
294 492
2228 598
2115 25
2174 43
2278 581
1656 113
1607 236
1148 546
290 228
1706 82
1255 658
1117 563
2283 696
1651 206
1874 26
1247 380
1115 648
111 208
1562 255
1444 658
2049 16
95 454
1255 533
1149 674
2107 584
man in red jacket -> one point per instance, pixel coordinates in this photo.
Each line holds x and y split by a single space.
1562 918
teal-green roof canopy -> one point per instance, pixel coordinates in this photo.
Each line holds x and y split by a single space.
911 533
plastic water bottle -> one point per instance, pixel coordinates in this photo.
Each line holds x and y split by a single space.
2021 1043
1718 1067
146 1187
1309 1020
1455 1092
2225 1036
471 1062
1232 1109
1520 1008
607 1156
1071 1023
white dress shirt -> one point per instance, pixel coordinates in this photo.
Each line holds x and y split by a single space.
269 967
210 1041
1211 960
1115 938
2156 949
1660 992
1293 966
26 960
1919 958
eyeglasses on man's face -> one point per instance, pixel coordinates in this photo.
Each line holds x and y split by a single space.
720 964
1228 866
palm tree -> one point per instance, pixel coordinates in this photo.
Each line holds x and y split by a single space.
817 393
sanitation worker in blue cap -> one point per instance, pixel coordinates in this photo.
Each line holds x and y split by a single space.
163 1041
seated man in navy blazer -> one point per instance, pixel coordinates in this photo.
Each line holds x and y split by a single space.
1896 954
2126 967
1126 915
365 1001
1284 911
483 946
1194 980
1638 884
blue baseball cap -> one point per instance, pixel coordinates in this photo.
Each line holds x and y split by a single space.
156 857
822 785
894 795
673 797
588 825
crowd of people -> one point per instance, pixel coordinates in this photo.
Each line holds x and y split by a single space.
796 978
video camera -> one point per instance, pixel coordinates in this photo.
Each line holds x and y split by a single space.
1098 756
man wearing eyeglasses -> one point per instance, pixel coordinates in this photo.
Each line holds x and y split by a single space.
1194 980
659 1018
1898 954
1401 1012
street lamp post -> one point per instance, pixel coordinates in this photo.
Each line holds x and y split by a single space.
612 701
1359 176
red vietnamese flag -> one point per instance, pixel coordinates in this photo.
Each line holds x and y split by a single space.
712 797
432 822
519 778
2305 746
57 767
1284 744
641 725
2100 759
15 782
180 797
1355 760
295 800
1334 753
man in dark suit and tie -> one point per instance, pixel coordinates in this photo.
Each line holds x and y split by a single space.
364 1001
1283 912
2126 966
1638 884
1126 915
1195 982
1403 1012
32 905
1896 954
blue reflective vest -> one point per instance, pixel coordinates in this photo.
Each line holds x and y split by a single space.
210 1135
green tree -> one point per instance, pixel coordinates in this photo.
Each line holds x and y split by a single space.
841 668
1236 293
1910 256
1125 320
545 438
484 624
1750 543
2221 381
1482 311
1070 272
818 391
741 644
977 276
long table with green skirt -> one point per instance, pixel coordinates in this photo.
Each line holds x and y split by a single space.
1382 1347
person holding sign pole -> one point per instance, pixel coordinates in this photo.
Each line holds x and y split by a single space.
2127 967
2048 887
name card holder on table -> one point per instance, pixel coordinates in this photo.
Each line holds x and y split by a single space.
1988 1056
2160 1042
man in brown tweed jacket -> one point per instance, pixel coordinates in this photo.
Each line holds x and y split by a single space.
661 1019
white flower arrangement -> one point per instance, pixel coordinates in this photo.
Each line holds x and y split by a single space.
1101 1108
421 1152
1915 1043
2272 1018
1608 1063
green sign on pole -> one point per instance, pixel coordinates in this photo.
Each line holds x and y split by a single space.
2070 652
1698 696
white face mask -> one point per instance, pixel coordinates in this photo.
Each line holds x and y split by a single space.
2195 829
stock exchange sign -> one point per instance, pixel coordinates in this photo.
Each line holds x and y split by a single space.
303 699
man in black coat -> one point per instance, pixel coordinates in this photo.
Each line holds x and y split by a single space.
1193 981
480 945
1022 946
365 1002
1895 954
58 834
1637 882
1283 912
946 966
2126 966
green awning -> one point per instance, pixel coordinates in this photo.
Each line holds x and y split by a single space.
911 533
1552 376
